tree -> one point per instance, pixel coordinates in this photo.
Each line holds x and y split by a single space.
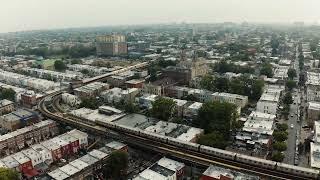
292 73
278 157
116 165
279 146
9 94
85 71
216 117
287 98
280 135
90 103
257 89
290 84
266 70
60 65
130 107
222 84
282 127
76 61
163 108
214 139
8 174
207 83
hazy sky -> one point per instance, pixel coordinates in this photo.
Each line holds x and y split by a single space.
17 15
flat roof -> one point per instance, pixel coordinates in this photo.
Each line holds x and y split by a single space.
195 105
115 145
89 159
49 144
151 175
58 140
10 162
58 174
79 164
216 172
68 169
77 133
98 154
20 157
170 164
314 105
256 115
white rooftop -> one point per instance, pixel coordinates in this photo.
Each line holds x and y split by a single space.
115 145
10 162
152 175
196 105
216 172
58 175
190 134
315 155
98 154
170 164
314 105
256 115
79 164
20 157
68 169
262 126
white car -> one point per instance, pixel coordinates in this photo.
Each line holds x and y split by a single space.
291 125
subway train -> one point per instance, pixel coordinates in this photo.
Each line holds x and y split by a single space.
270 165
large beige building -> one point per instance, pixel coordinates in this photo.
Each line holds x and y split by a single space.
111 45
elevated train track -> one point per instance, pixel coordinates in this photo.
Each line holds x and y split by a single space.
175 151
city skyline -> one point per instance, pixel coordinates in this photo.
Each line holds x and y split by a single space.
18 15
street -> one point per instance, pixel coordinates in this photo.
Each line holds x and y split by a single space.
293 122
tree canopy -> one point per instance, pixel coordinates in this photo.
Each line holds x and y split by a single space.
9 94
163 108
8 174
266 70
280 135
290 84
278 157
216 116
279 146
253 88
90 103
292 73
214 139
116 165
287 98
60 65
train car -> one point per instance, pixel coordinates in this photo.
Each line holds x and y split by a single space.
184 144
218 152
127 129
297 170
105 123
256 161
154 136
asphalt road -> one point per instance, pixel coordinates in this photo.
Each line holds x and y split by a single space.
292 122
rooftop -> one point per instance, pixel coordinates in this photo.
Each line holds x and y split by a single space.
170 164
314 105
216 172
79 164
20 157
89 159
58 175
115 145
68 169
98 154
315 155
